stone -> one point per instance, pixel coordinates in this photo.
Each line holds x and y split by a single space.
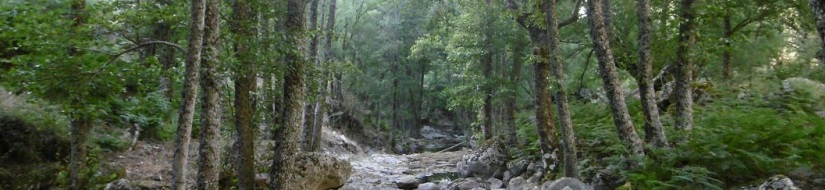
464 184
488 160
778 182
495 183
517 167
407 182
318 171
519 183
428 186
120 184
565 183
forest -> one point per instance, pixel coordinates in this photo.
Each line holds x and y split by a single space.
412 94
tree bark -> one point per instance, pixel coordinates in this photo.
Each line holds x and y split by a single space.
188 94
684 68
566 124
245 86
610 78
81 124
818 7
313 108
80 131
163 32
288 140
654 134
209 161
548 142
487 69
512 99
726 48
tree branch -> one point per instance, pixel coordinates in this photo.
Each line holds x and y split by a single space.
574 17
136 47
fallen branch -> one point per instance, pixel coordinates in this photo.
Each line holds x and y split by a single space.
456 145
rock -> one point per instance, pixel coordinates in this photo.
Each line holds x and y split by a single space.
465 184
489 160
565 183
517 167
428 186
431 133
519 183
495 183
317 171
120 184
407 182
778 182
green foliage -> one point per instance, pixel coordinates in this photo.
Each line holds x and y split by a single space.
736 142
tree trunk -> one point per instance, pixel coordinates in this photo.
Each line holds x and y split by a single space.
188 95
163 32
81 124
568 135
818 7
684 68
548 143
209 161
512 99
726 48
288 139
487 70
80 131
312 109
245 86
654 134
610 78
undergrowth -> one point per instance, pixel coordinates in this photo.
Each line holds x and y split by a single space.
737 140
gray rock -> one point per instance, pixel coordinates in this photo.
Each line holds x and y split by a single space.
486 161
565 183
778 182
320 172
517 167
495 183
120 184
516 183
428 186
407 182
464 184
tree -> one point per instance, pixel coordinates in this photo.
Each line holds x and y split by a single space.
684 67
610 79
81 123
209 151
245 85
548 142
487 69
566 124
654 134
288 138
818 7
312 108
188 94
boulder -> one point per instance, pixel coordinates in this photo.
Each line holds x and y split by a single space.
495 183
428 186
565 183
120 184
519 183
517 167
465 184
407 182
317 171
778 182
488 160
